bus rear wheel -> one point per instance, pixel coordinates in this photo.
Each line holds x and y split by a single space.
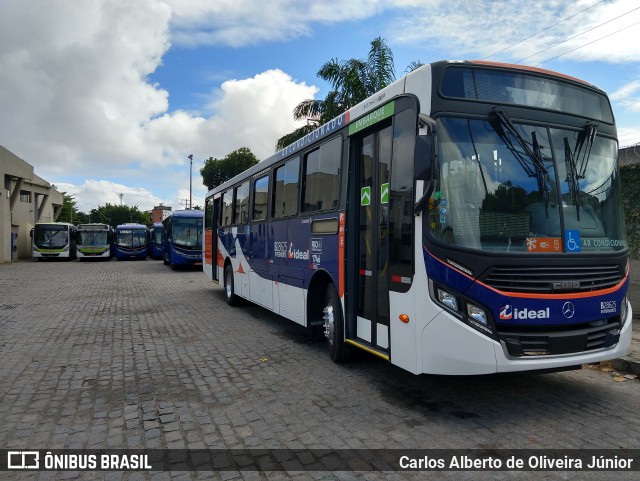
334 326
229 288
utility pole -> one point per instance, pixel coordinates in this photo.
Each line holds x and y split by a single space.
190 177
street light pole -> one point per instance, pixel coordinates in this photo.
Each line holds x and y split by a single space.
190 177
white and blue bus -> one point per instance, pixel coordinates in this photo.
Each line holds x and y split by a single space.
466 219
182 234
131 242
93 241
53 240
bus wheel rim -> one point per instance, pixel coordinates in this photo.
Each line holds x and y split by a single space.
329 324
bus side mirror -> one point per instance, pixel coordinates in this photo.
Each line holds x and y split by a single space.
423 156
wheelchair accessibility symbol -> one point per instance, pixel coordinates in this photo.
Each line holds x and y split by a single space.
572 240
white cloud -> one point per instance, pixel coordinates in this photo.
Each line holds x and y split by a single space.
239 23
249 113
72 79
76 101
628 136
467 29
94 193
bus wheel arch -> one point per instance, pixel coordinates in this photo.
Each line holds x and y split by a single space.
325 316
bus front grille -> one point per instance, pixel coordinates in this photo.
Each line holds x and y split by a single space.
553 279
546 341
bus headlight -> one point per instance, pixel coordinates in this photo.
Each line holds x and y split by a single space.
477 314
447 299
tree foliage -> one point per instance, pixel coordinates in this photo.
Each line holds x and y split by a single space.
352 81
114 215
630 178
217 171
69 211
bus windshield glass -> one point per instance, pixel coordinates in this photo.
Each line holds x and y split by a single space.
94 238
156 236
49 236
132 237
524 89
187 232
535 190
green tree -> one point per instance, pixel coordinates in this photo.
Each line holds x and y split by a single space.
217 171
352 81
114 215
69 212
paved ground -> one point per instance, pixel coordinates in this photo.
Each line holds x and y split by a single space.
134 355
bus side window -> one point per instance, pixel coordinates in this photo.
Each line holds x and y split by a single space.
285 195
260 194
322 177
227 208
241 211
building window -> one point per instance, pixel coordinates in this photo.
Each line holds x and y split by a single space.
25 196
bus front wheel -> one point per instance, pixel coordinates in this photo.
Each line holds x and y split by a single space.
229 288
334 326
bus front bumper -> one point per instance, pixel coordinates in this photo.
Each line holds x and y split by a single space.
451 347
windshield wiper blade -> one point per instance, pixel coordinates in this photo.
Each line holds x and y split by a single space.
572 176
585 139
507 127
505 130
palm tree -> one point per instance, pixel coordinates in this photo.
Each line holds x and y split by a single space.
351 81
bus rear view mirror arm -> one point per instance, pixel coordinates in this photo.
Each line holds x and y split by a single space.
419 206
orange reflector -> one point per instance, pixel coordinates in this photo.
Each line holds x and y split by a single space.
404 318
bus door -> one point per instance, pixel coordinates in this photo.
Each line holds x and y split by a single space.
372 171
211 223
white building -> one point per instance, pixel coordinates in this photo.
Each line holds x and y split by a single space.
25 199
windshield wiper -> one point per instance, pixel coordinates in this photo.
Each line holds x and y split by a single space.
532 163
572 176
585 140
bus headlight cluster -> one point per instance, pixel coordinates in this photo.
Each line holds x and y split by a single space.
471 313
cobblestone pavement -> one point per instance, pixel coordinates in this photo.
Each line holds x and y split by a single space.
134 355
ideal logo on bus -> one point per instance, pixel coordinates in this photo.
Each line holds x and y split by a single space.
508 313
286 250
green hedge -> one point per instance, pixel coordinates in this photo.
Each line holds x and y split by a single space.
630 177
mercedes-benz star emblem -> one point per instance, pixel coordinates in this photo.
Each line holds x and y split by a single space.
568 310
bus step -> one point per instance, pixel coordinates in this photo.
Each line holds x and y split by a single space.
365 346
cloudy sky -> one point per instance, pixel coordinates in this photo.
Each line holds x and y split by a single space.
109 97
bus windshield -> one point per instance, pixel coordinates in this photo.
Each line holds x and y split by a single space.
156 236
534 190
132 237
92 238
187 232
48 236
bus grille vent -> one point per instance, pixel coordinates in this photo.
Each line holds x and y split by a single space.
553 279
596 335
